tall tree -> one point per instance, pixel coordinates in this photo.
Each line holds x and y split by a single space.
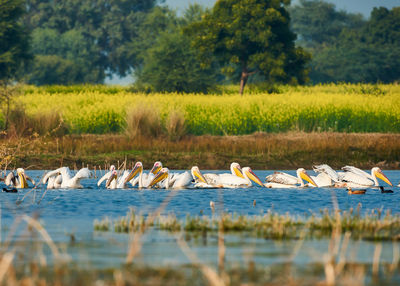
169 62
253 35
14 39
88 38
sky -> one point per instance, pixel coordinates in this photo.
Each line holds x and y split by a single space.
356 6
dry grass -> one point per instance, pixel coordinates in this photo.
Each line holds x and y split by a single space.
43 124
260 151
143 121
175 126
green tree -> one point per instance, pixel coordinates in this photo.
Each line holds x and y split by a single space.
14 39
169 62
88 38
253 35
317 22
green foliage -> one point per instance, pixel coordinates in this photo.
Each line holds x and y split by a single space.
170 64
83 41
253 36
14 39
347 48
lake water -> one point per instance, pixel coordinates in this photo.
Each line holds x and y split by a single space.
72 212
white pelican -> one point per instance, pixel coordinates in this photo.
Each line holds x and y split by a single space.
113 180
172 181
235 179
106 175
356 178
68 181
53 182
18 181
199 180
143 180
280 180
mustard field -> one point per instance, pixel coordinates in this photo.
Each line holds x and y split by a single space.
337 108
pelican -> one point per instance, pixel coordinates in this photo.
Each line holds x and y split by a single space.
18 181
53 182
68 181
280 180
106 175
235 179
143 180
113 180
199 180
171 181
356 178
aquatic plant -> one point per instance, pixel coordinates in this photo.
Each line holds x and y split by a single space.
372 225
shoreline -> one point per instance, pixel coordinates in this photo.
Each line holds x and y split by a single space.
260 151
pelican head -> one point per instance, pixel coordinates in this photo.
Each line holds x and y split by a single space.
156 168
138 168
303 175
236 170
250 174
376 172
111 178
197 175
22 178
112 168
163 174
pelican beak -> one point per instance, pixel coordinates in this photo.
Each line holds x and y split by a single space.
379 174
307 178
133 173
238 171
254 177
158 178
112 178
22 178
199 176
155 169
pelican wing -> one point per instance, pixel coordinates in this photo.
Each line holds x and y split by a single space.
357 179
282 178
182 180
83 173
322 180
357 171
212 179
232 180
50 174
10 179
324 168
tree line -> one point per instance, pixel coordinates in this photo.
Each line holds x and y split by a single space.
84 41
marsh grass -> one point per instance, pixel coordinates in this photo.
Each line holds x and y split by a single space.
143 121
260 150
372 225
175 126
21 124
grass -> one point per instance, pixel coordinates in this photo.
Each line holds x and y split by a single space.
372 226
260 151
322 108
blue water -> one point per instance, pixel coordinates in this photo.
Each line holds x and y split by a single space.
66 212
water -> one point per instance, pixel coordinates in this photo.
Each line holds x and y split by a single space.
66 213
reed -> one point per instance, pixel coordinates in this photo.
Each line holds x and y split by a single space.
260 151
372 225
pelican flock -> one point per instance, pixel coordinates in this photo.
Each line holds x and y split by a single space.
159 177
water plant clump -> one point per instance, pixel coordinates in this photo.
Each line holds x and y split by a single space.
373 225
